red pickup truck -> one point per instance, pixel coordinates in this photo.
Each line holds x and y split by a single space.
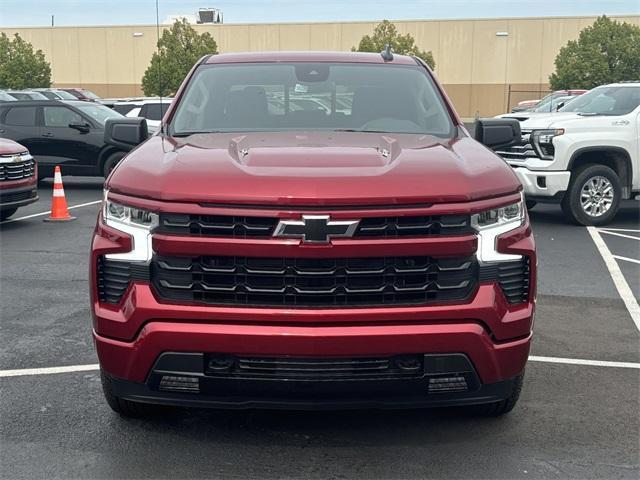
312 230
18 178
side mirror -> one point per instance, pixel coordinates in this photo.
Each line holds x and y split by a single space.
497 132
80 126
559 106
125 133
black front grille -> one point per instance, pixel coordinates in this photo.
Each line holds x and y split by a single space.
245 227
513 278
17 170
393 227
114 277
17 196
321 282
217 225
314 369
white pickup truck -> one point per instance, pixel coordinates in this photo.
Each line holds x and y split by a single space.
586 156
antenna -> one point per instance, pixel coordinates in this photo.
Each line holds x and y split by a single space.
387 53
160 83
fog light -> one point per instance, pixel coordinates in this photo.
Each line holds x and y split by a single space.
455 383
170 383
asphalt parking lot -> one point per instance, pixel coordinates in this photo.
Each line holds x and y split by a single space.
579 416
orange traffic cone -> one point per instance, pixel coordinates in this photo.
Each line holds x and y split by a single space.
59 210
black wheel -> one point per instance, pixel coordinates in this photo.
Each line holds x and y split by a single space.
502 407
4 214
111 162
127 408
593 197
531 204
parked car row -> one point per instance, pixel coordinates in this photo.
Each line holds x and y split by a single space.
69 133
49 94
549 103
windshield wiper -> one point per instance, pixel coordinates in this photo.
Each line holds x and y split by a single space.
363 131
589 114
188 134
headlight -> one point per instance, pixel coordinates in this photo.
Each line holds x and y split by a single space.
123 214
542 142
492 223
136 222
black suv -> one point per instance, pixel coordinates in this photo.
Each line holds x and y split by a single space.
66 133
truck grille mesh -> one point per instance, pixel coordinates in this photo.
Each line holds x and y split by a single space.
114 277
244 227
17 196
513 278
16 170
325 282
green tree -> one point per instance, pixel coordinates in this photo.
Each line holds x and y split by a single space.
385 34
605 52
20 66
179 48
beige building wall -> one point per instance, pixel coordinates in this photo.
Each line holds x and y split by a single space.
483 73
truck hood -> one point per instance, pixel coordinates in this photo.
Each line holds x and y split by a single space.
333 168
547 120
7 147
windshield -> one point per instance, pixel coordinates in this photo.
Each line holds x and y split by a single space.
90 94
606 101
552 104
311 96
98 112
65 95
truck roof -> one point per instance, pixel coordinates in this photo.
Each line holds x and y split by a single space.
338 57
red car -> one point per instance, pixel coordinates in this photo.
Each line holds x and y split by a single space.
360 250
18 178
82 94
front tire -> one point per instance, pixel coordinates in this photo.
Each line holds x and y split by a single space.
111 162
593 196
127 408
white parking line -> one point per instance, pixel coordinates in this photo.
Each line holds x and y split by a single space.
48 212
616 275
48 371
621 230
619 234
533 358
580 361
626 259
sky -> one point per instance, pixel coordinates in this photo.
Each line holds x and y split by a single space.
128 12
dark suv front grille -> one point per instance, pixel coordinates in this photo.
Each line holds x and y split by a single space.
323 282
17 170
244 227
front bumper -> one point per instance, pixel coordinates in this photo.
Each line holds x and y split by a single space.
443 380
543 185
133 334
137 368
18 196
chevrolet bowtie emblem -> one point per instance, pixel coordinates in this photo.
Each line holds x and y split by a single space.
316 228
